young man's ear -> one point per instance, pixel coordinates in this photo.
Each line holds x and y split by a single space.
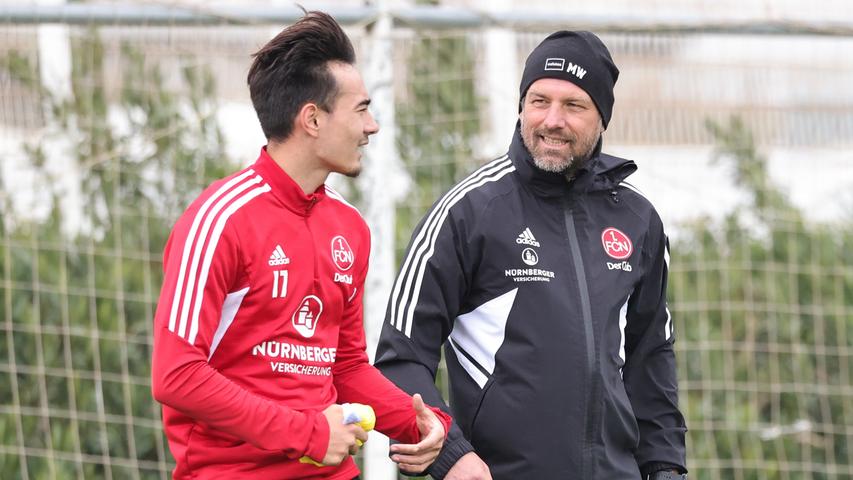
308 119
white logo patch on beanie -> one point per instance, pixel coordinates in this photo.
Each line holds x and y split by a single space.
559 65
555 64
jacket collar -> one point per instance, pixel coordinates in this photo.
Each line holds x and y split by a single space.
601 172
284 188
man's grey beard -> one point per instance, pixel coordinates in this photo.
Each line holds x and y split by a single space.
549 167
570 165
567 168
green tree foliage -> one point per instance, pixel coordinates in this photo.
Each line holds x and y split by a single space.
762 307
437 121
76 344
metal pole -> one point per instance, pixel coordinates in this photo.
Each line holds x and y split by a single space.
382 184
418 17
501 68
54 59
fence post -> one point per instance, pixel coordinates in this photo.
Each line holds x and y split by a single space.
382 183
54 64
501 64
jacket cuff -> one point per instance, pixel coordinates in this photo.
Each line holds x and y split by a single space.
445 419
652 467
450 454
318 442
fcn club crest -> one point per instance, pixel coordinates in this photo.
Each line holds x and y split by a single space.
305 318
616 244
342 253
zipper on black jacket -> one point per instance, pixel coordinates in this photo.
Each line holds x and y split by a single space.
592 400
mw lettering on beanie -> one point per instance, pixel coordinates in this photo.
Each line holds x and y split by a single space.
580 58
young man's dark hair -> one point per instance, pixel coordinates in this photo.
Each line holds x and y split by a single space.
292 69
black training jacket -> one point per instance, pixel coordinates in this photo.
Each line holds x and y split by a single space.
549 297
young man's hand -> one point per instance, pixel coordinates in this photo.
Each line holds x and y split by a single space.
415 458
343 439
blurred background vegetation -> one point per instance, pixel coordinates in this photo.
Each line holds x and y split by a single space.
76 347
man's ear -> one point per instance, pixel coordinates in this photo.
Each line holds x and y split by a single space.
308 119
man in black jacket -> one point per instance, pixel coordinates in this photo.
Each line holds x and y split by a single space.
543 274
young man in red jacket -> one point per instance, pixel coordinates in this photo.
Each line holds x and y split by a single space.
258 332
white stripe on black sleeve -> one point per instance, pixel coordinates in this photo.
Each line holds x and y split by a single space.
623 323
667 328
406 293
421 266
398 294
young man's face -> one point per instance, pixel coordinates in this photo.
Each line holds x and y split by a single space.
560 124
347 127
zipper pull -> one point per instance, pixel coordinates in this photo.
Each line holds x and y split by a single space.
614 196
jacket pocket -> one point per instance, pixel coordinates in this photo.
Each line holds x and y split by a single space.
480 402
620 423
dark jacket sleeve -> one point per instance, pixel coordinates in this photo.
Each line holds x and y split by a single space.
424 301
649 373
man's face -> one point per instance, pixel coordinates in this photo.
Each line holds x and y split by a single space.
560 124
347 127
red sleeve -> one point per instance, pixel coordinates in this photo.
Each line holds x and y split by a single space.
201 267
357 381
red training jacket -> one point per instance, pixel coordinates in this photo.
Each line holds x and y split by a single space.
259 328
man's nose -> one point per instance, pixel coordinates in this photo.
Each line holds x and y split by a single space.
371 126
554 118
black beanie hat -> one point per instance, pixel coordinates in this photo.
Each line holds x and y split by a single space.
579 57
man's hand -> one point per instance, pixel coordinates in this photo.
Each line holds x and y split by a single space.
416 458
342 438
469 467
